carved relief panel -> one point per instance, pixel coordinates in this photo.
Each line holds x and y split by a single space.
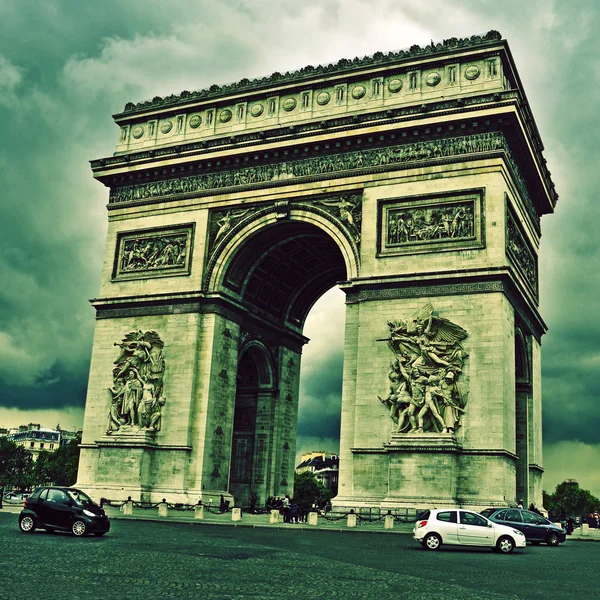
520 253
432 223
160 252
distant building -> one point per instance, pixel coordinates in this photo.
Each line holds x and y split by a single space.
36 439
324 466
3 432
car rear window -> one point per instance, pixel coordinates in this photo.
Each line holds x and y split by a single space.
423 515
36 493
448 517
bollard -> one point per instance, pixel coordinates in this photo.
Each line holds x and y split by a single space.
274 517
199 511
236 514
352 519
128 507
388 523
585 529
313 518
163 509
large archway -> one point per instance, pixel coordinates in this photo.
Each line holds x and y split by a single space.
276 274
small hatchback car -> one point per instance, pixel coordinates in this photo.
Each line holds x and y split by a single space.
456 526
536 528
63 509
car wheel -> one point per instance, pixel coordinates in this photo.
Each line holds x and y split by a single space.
78 528
27 524
553 540
432 541
505 545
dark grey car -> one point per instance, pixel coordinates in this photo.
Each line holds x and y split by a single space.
536 528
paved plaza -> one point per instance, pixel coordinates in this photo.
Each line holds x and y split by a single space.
155 560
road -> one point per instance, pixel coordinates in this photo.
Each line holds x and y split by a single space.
179 560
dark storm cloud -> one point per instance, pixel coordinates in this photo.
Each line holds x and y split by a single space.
56 388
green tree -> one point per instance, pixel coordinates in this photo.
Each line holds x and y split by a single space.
16 466
309 491
63 463
571 499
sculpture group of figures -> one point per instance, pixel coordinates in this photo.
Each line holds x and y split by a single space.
422 225
482 142
425 394
137 393
153 253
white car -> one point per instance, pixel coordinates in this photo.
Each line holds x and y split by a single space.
459 527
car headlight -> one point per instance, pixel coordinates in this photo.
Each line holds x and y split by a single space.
517 532
88 513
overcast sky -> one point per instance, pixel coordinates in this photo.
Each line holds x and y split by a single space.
67 65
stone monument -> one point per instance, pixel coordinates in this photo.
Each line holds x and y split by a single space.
415 180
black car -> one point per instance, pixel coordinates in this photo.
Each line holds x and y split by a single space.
63 509
536 528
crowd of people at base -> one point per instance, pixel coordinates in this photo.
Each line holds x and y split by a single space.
292 511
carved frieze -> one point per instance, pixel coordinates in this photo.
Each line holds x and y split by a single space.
425 393
137 398
520 252
432 223
149 253
322 165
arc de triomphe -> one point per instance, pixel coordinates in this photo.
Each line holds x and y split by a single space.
415 180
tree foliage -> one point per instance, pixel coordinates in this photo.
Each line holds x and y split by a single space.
19 471
309 491
570 499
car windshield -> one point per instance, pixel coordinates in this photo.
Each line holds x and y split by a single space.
487 512
79 497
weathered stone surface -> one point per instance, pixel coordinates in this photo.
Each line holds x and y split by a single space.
416 181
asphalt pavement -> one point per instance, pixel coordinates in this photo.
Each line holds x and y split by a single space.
154 560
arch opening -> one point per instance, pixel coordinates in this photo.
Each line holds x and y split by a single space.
277 275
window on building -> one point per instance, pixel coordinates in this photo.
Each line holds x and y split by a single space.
31 444
41 445
51 446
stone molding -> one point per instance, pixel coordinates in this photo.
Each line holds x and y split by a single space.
344 65
343 165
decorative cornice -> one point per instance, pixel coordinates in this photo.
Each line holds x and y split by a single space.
343 164
344 65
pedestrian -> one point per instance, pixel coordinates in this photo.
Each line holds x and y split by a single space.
294 513
570 526
222 504
520 505
285 508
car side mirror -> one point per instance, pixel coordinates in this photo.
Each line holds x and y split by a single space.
490 524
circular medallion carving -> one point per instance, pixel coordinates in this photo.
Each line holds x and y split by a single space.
195 121
358 91
166 126
289 104
433 79
225 115
472 72
137 132
257 110
395 85
323 98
